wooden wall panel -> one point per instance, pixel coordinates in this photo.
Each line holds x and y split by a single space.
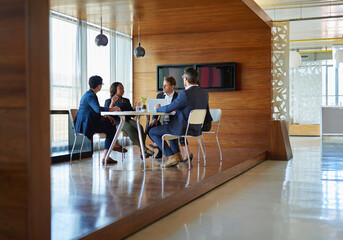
246 112
24 120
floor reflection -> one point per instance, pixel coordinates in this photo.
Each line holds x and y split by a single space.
86 197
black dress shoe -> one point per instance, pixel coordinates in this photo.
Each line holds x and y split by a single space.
190 158
147 155
159 154
153 146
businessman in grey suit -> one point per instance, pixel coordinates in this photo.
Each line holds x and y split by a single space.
193 97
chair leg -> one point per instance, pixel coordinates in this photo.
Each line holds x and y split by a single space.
72 150
220 150
203 144
99 149
202 147
189 160
83 140
162 150
122 148
198 151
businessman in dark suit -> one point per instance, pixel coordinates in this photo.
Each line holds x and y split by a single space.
193 97
88 119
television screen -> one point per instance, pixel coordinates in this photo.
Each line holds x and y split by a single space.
173 70
212 76
217 76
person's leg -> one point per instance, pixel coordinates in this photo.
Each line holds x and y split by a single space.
173 154
106 127
130 128
133 124
131 132
156 134
174 145
184 150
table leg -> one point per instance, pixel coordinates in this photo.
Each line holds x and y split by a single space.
140 139
119 128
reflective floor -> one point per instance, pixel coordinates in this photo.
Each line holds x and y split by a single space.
86 197
298 199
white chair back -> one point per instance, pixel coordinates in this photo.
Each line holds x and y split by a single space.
216 114
197 116
72 115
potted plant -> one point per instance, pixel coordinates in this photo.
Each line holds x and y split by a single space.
143 100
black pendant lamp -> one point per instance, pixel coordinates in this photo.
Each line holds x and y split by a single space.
139 51
101 39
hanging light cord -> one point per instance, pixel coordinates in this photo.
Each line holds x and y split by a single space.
139 36
101 25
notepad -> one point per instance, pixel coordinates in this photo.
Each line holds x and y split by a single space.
153 102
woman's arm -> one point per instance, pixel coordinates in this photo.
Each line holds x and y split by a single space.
125 105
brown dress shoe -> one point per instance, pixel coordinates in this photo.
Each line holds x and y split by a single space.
109 161
179 155
119 149
171 161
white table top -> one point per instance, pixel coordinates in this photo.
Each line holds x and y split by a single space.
136 113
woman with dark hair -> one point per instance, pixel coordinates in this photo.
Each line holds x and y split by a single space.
89 121
130 126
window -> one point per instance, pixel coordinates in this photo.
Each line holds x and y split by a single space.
332 86
74 57
63 78
98 62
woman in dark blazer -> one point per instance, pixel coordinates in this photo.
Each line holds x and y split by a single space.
130 126
88 119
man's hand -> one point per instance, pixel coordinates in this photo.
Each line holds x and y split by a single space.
111 119
116 108
153 123
157 106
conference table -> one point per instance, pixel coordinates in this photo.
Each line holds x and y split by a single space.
122 115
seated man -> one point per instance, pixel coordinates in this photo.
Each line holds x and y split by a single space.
169 94
193 97
88 119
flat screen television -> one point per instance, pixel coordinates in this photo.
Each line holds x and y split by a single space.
212 76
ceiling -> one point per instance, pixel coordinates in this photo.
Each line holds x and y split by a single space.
162 16
312 23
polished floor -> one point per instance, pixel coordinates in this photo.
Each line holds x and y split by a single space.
299 199
86 197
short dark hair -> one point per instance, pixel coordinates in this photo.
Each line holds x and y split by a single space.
191 74
113 88
171 80
94 81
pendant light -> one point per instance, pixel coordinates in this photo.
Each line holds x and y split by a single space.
139 51
294 59
101 39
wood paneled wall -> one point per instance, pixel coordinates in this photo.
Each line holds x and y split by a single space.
246 112
24 120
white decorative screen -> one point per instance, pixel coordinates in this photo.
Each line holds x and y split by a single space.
280 60
306 93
